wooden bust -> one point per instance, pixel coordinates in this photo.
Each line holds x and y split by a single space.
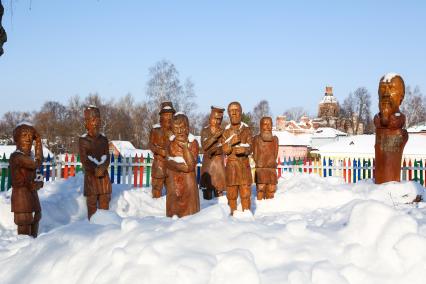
390 135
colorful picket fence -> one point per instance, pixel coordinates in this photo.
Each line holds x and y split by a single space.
137 170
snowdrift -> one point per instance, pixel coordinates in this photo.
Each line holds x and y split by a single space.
316 230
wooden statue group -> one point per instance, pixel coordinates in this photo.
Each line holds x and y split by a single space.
175 159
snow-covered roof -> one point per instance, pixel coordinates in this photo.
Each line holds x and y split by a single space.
127 149
363 146
327 132
9 149
417 128
286 138
328 98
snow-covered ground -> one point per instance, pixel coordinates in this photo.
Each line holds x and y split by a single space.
316 230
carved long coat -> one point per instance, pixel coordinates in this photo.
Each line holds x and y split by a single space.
213 168
182 190
238 171
93 149
158 140
24 193
265 155
389 146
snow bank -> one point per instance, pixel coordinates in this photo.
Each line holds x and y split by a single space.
316 230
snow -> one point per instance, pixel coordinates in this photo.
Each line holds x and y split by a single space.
316 230
24 123
389 76
286 138
95 161
177 159
328 99
243 145
229 138
327 132
362 146
179 113
156 125
167 107
127 149
241 125
417 128
172 137
191 137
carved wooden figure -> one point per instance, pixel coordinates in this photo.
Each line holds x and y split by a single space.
3 36
213 168
237 145
390 135
95 158
265 153
181 183
25 182
158 140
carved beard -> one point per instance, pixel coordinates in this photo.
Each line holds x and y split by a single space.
266 136
385 112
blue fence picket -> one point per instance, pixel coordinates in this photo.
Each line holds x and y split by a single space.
112 171
48 160
324 163
198 169
119 169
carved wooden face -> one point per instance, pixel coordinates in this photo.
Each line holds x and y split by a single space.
234 112
266 125
216 118
180 129
25 140
166 120
93 125
391 94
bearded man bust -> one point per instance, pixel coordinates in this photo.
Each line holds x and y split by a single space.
390 135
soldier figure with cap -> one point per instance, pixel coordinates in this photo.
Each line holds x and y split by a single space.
158 140
213 168
25 182
237 145
265 153
95 158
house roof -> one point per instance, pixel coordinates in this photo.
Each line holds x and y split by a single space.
286 138
327 132
363 146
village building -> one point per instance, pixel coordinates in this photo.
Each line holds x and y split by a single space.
126 149
329 115
362 146
325 135
419 129
291 146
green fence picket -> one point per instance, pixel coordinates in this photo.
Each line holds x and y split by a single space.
148 170
3 174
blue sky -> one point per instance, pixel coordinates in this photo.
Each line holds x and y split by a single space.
282 51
